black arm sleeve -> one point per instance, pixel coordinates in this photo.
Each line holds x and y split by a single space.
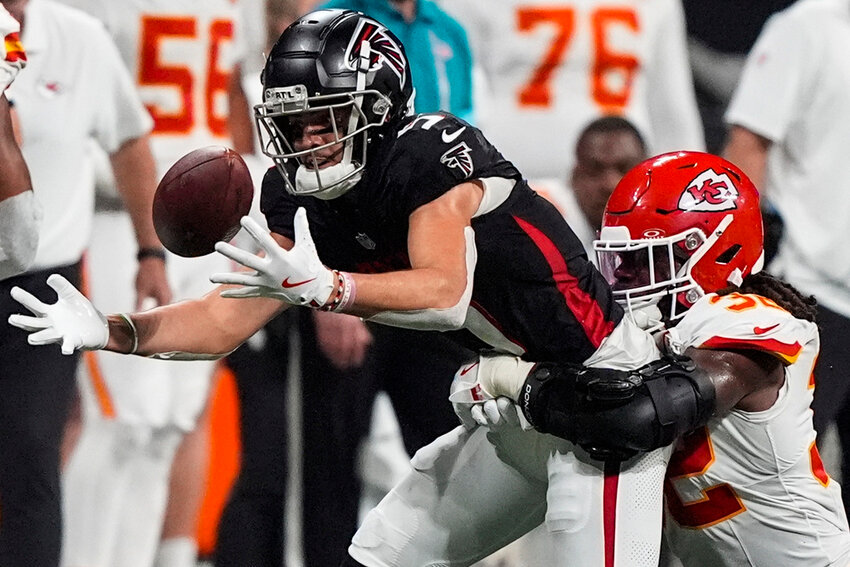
614 414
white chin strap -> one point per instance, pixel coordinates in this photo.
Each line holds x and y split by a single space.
330 187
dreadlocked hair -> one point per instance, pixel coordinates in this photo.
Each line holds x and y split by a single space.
782 293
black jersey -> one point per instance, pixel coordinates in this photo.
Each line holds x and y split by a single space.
535 293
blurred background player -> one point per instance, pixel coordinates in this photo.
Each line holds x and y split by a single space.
720 34
789 122
140 416
76 89
606 149
20 212
547 70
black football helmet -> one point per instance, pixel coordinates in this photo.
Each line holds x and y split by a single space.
344 71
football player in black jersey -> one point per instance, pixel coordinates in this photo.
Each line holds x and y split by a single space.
414 221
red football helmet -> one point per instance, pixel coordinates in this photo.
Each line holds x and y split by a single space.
679 225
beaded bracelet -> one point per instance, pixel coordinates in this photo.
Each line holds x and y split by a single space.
343 295
347 299
336 296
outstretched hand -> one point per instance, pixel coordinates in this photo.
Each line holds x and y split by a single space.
295 276
72 321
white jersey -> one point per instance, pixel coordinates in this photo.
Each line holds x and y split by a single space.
800 64
750 488
550 68
12 56
181 53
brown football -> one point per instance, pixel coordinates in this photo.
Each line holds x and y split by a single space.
200 200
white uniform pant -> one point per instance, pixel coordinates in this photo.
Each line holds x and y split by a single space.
135 413
471 493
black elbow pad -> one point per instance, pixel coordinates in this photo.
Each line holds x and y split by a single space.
615 413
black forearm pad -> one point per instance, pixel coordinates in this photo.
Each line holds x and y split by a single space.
638 410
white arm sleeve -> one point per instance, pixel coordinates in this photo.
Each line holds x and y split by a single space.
20 221
446 319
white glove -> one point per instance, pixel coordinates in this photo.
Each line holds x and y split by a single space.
72 321
466 393
478 386
295 276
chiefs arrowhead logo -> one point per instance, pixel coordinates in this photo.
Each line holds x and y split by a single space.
460 157
384 49
709 192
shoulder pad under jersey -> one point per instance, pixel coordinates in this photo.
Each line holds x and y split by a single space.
742 321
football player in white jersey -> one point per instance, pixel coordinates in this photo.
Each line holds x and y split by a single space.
682 237
19 210
137 412
551 67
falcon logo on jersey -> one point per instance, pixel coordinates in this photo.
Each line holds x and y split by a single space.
384 50
709 192
460 156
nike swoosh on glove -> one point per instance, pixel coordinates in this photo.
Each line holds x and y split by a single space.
295 276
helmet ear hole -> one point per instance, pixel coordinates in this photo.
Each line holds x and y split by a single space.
728 255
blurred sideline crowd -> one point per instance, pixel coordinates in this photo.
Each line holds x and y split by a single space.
272 455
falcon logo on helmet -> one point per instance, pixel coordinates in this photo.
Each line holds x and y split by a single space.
709 192
460 157
384 49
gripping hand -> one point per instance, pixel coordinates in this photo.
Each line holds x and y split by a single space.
72 321
295 276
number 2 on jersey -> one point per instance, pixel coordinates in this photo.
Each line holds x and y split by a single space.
607 63
719 502
155 30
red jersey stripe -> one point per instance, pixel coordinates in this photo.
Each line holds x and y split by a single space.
609 509
586 310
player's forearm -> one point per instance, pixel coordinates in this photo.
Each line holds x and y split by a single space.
442 252
240 114
211 325
135 178
16 176
406 290
748 150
